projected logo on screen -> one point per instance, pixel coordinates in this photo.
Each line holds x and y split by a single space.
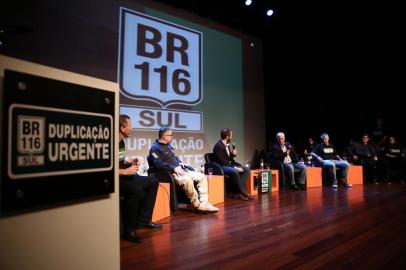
159 61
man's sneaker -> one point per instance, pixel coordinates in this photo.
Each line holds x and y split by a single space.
334 186
346 184
207 207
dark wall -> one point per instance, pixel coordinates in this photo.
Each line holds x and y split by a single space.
335 70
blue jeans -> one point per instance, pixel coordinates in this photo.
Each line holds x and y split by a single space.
237 179
289 170
329 167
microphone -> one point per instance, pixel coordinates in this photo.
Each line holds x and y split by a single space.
233 145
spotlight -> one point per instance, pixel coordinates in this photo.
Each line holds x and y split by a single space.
269 12
248 2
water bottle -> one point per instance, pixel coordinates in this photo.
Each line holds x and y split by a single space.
261 164
309 161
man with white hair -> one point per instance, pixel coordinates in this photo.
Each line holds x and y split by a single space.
284 153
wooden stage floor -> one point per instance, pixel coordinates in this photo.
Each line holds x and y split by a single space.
359 228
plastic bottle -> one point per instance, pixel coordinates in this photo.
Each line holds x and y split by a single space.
261 164
309 161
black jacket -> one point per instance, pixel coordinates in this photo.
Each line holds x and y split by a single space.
364 151
278 155
162 157
325 151
221 155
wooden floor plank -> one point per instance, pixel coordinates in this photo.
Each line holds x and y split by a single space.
359 228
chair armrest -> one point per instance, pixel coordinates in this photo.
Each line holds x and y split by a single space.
217 169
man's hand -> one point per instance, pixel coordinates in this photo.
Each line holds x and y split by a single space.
132 170
179 171
234 152
135 162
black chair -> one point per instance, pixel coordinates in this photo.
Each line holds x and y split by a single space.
211 163
277 165
178 196
165 176
217 170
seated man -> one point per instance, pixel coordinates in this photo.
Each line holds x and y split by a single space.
225 157
284 153
327 155
139 192
395 161
365 154
163 157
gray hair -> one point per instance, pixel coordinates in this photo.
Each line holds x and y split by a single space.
280 134
323 135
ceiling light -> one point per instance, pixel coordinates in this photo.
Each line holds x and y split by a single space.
269 12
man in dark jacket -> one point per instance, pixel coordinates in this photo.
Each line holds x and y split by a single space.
283 153
395 161
139 192
365 154
238 175
163 157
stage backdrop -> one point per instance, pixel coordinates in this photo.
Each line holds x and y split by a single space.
174 69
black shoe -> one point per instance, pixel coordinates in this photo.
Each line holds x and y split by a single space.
239 197
294 187
132 237
249 196
149 226
302 186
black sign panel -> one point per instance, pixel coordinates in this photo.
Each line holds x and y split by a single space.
59 143
48 141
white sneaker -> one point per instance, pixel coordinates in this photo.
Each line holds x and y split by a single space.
207 207
346 184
